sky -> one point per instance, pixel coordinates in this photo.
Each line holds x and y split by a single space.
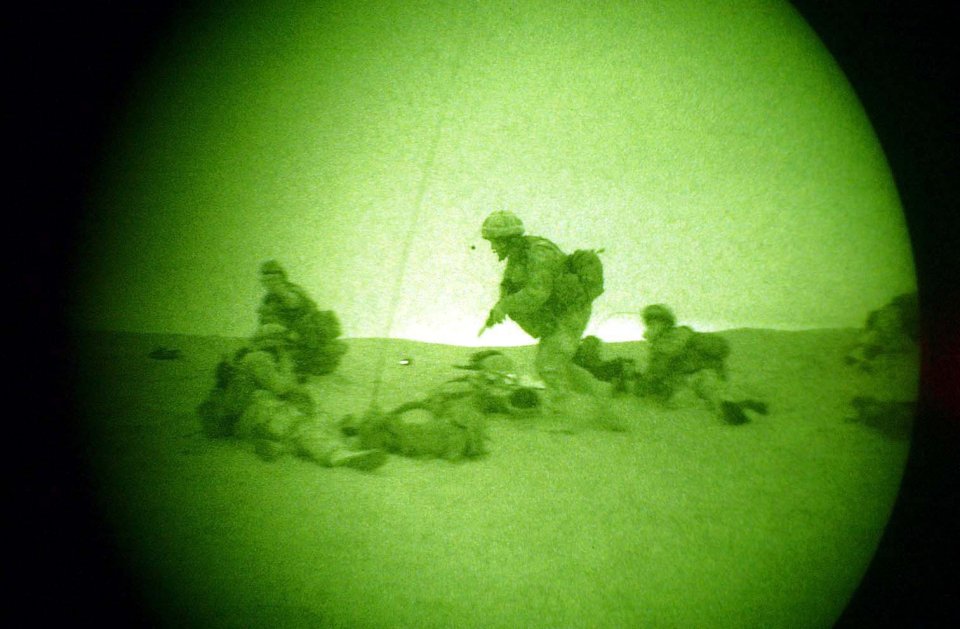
713 150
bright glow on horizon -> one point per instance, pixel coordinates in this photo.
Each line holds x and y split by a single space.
714 150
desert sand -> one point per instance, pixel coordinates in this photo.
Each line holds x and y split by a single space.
678 521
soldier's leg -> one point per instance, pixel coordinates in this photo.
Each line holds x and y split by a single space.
715 391
551 363
268 423
555 356
567 381
321 444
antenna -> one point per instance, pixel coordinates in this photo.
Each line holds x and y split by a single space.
457 63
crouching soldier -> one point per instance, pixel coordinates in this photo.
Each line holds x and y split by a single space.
314 333
892 329
681 358
257 398
619 372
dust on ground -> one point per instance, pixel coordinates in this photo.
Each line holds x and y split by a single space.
677 521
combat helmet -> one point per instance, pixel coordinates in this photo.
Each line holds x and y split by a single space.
501 224
492 364
659 312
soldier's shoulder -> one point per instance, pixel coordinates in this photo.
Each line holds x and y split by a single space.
540 247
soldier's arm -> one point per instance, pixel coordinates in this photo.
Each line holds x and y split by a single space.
268 374
541 270
291 296
665 351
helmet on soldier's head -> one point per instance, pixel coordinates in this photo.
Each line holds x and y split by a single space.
490 361
659 312
271 335
272 267
501 224
456 388
497 364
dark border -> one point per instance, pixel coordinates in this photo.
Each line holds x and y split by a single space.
71 66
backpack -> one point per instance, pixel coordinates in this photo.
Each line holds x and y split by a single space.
585 264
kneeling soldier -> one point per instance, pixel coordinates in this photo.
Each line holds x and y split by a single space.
680 357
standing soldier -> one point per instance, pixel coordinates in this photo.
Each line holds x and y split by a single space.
550 296
316 350
680 357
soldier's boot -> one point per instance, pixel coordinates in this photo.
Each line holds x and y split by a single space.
733 414
358 459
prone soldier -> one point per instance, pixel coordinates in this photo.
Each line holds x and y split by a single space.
257 398
450 421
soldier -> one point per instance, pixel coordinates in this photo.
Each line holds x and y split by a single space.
316 350
545 293
892 329
450 422
499 388
257 398
680 357
619 372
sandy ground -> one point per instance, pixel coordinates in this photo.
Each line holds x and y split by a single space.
680 521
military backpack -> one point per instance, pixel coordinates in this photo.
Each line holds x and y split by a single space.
585 264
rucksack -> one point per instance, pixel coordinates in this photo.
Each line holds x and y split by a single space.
586 265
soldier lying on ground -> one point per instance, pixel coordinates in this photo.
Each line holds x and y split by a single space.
681 358
316 349
257 398
450 422
620 372
891 329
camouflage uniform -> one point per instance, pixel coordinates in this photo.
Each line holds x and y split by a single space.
257 398
445 424
316 349
450 422
620 372
681 358
546 302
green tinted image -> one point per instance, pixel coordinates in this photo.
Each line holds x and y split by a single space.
495 314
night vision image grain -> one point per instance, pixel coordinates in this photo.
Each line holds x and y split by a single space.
495 314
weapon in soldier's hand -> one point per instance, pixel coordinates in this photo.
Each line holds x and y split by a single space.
487 324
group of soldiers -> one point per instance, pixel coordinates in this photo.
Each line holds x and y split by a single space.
550 294
261 396
889 333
